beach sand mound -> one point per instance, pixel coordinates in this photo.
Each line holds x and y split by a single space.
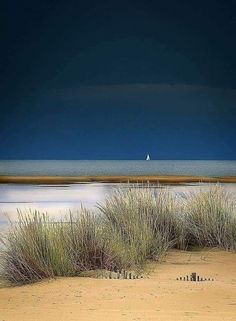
159 297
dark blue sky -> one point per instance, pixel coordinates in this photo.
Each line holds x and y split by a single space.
118 79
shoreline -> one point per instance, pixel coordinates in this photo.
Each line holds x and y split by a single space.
163 179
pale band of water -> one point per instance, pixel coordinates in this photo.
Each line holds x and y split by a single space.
57 200
115 167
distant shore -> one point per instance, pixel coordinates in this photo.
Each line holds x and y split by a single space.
171 179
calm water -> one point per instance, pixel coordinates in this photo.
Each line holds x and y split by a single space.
158 167
59 199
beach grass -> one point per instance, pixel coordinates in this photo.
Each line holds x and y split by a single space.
131 227
210 218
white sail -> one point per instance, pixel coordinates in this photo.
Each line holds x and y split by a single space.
148 157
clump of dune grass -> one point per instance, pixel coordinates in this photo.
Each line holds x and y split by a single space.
26 256
132 226
85 240
36 247
147 222
210 218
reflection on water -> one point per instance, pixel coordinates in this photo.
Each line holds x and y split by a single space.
54 199
59 199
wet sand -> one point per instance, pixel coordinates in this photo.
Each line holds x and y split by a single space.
160 297
173 179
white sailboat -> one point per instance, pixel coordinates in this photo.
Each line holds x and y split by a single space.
148 157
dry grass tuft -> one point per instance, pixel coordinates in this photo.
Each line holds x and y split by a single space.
132 226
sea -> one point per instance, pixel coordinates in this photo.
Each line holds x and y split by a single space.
58 200
118 167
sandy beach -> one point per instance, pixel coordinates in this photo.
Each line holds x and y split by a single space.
159 297
172 179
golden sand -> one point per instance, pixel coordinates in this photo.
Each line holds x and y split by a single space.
159 297
177 179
